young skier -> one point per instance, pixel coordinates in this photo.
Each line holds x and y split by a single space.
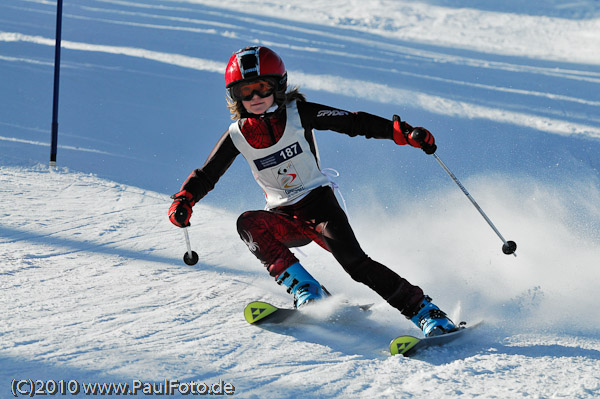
273 130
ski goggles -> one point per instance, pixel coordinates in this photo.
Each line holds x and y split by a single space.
245 91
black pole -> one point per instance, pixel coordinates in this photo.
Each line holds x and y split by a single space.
53 145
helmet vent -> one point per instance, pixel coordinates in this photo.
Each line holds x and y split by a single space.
249 63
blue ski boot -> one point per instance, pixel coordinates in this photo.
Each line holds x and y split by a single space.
301 284
432 320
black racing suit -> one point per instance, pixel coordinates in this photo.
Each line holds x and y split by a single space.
318 216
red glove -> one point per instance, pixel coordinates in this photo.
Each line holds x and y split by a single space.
418 137
180 211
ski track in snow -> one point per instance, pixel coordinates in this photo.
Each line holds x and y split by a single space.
382 93
368 90
93 286
95 290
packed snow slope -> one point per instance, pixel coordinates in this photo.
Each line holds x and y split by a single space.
93 288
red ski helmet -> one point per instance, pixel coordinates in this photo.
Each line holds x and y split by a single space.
254 62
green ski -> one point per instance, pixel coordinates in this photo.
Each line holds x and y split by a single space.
258 312
409 345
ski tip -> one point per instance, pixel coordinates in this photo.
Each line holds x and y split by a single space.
402 345
256 311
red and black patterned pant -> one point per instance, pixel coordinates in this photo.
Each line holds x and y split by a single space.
319 218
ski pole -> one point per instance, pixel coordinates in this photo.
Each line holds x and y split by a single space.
509 247
190 257
419 134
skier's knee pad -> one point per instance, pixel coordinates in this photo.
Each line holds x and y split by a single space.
249 220
243 220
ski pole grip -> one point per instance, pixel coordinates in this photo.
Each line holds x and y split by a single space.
419 135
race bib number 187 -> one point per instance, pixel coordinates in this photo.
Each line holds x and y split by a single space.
275 159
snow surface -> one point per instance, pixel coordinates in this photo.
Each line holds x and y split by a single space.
93 285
